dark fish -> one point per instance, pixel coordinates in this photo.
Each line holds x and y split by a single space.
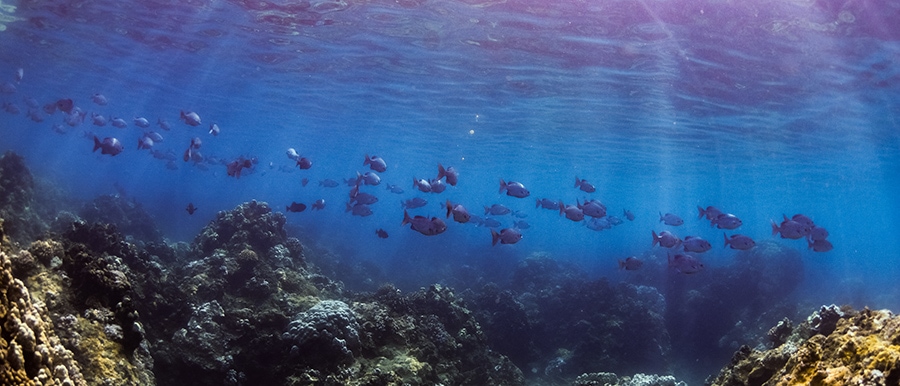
414 203
381 233
375 163
572 212
451 174
584 185
695 244
665 239
726 221
437 186
670 219
75 117
234 168
803 219
686 264
739 242
459 212
295 207
304 181
790 229
11 108
519 214
592 208
598 224
35 115
167 155
141 122
8 88
109 145
118 122
368 178
614 220
163 124
547 203
214 129
50 108
351 181
145 143
196 143
628 215
506 236
304 163
514 189
319 204
496 210
395 189
191 118
31 102
98 120
361 210
65 105
424 225
364 198
328 183
630 263
491 222
818 233
191 208
99 99
820 245
422 184
710 212
521 224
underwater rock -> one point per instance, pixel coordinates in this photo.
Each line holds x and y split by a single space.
329 329
252 224
862 349
825 320
18 208
128 216
610 379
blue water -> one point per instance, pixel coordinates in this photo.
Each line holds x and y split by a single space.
760 108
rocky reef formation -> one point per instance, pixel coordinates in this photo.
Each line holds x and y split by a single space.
17 204
610 379
831 347
128 216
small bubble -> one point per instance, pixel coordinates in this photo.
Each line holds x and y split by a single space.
471 132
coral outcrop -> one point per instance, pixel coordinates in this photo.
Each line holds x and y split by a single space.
832 347
610 379
17 204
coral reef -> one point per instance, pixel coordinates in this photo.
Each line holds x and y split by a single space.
17 203
610 379
128 216
862 348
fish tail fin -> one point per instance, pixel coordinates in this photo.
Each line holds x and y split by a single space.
660 217
487 210
702 211
348 207
406 219
366 162
502 186
577 181
537 203
775 229
494 237
621 264
809 244
97 144
441 171
726 239
562 208
785 217
655 238
415 183
449 209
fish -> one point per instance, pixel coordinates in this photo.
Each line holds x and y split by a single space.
584 185
790 229
75 117
31 102
292 154
319 204
304 163
364 198
141 122
630 263
818 233
65 105
191 208
598 224
414 203
98 120
726 221
424 225
695 244
328 183
670 219
233 168
145 142
422 184
665 239
358 209
99 99
214 129
490 222
167 155
11 108
191 118
59 129
369 178
820 245
381 233
108 145
35 115
394 189
514 189
547 203
803 219
50 108
8 88
450 173
592 208
295 207
614 220
521 224
156 137
505 236
519 214
375 163
628 214
739 242
196 142
496 210
20 73
710 212
437 186
304 181
686 264
459 212
118 122
163 124
572 212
